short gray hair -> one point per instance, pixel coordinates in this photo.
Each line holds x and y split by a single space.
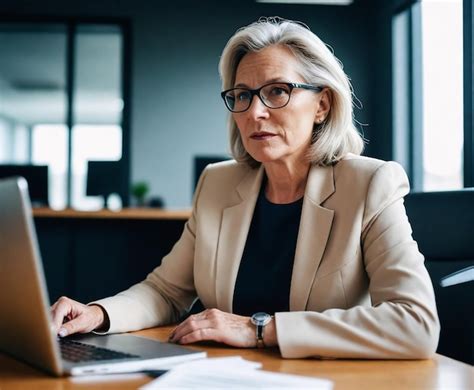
337 135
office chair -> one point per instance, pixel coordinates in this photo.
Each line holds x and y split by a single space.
443 226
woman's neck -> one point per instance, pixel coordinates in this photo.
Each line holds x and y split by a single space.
286 183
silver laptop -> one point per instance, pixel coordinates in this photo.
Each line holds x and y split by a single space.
25 321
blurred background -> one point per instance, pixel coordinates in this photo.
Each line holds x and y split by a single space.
105 96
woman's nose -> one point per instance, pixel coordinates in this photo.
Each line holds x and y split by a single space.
257 109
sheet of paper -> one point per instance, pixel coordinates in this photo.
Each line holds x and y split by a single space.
229 361
232 362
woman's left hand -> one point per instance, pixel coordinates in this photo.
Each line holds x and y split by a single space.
216 325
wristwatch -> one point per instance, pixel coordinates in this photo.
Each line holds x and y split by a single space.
260 319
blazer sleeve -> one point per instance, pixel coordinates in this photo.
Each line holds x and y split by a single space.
402 322
166 293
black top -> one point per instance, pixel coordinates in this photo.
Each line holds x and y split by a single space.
264 278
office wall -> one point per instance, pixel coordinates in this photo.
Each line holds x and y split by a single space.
176 50
179 58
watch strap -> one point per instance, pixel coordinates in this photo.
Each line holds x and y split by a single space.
259 334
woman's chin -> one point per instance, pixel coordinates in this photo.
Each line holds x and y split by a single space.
265 156
264 159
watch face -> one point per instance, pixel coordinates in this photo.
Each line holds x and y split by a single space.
261 318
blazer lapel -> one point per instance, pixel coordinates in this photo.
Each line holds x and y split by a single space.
235 226
314 230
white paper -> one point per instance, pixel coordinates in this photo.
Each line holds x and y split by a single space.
232 362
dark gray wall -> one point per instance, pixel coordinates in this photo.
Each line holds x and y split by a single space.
175 53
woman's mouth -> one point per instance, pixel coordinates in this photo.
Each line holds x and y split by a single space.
262 136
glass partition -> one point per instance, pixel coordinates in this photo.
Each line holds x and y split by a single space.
33 99
61 103
97 106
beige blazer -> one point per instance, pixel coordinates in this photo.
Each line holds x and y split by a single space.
359 287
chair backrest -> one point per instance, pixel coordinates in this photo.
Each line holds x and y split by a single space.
443 226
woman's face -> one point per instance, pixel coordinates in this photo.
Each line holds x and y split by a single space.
283 134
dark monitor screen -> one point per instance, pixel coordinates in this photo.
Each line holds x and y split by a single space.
35 175
201 162
103 178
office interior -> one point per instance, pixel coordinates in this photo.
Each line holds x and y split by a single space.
118 101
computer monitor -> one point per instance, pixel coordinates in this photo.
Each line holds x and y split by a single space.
103 178
201 162
35 175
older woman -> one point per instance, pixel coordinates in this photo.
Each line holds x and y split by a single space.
299 242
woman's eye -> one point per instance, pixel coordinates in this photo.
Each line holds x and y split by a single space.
242 96
278 91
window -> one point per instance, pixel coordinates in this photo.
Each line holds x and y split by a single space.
32 85
92 142
49 147
97 106
61 103
442 64
428 93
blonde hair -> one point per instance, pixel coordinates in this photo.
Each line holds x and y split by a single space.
337 135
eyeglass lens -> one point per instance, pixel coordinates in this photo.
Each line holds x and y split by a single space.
272 95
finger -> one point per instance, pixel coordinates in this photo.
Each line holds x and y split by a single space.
59 313
77 325
236 336
202 315
182 328
203 334
188 327
195 317
53 306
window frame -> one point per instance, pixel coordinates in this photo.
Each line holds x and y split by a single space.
414 163
71 23
468 33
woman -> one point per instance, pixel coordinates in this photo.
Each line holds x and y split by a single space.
300 242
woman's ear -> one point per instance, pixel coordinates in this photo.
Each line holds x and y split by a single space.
325 101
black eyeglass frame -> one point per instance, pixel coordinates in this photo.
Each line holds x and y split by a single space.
256 92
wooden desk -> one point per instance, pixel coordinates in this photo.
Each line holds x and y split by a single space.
439 373
127 213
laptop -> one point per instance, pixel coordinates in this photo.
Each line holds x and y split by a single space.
25 320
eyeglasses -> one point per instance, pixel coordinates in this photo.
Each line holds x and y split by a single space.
273 95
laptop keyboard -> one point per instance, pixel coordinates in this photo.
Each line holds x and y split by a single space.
77 352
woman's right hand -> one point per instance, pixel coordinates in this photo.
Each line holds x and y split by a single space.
71 317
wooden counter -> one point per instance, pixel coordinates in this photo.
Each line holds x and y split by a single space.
439 373
128 213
